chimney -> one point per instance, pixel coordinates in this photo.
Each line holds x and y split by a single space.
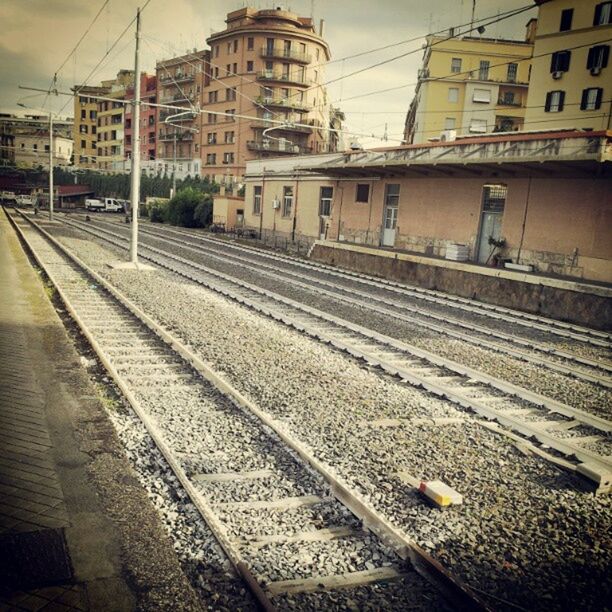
531 30
321 24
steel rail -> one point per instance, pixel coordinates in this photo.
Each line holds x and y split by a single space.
553 326
370 300
599 466
457 592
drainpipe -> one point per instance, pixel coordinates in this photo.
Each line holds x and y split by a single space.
297 185
518 255
261 211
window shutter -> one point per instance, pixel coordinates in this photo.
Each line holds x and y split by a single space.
553 62
597 15
605 56
584 100
547 104
591 57
561 100
565 60
599 97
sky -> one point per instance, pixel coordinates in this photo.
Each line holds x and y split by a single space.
38 35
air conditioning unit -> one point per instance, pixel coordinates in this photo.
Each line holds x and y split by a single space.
596 70
275 203
557 74
448 135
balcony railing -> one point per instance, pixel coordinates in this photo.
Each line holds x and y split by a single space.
178 97
286 54
288 127
276 146
176 78
283 77
164 115
180 136
508 102
284 103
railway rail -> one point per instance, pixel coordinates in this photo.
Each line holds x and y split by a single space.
527 350
582 438
149 365
500 313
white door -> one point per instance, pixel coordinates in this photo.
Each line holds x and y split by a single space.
390 214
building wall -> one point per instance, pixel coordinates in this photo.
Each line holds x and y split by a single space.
32 150
575 80
567 220
85 125
432 107
239 61
148 119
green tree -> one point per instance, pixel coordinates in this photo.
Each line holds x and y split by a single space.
182 207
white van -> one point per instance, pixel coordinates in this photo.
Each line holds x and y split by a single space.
91 204
113 205
24 200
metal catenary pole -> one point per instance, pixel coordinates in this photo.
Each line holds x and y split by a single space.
135 182
50 166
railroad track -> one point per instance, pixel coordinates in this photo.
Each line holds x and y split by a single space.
582 438
500 313
530 351
244 496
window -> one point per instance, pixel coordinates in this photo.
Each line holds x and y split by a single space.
257 200
478 126
83 129
603 14
128 123
92 115
483 70
216 72
229 47
211 159
230 137
449 123
230 94
494 198
456 64
508 98
250 67
231 111
151 120
326 196
235 68
212 118
228 158
83 144
83 114
566 20
212 97
228 69
287 201
554 101
453 94
598 58
217 51
35 147
560 61
511 74
482 95
269 46
235 46
212 138
250 43
93 129
362 193
591 98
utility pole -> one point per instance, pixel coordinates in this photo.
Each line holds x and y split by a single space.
135 182
174 166
50 166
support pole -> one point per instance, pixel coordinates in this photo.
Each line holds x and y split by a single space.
135 182
50 166
174 165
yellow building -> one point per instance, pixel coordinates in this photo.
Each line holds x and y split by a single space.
470 85
110 123
571 82
85 124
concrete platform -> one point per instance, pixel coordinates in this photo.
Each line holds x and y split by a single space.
576 301
77 531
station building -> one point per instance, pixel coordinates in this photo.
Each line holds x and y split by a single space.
541 200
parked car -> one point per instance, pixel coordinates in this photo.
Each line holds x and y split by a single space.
24 200
92 204
113 205
7 196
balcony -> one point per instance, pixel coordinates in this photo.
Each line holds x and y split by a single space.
164 115
509 102
289 127
286 54
282 77
178 98
300 107
276 146
180 136
176 78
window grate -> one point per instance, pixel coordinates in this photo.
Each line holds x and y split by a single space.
494 198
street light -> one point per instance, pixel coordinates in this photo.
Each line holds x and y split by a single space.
168 121
50 155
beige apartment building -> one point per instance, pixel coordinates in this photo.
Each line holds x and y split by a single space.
180 82
269 65
32 149
470 85
571 79
86 124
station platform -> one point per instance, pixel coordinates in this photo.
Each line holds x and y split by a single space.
573 300
77 531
